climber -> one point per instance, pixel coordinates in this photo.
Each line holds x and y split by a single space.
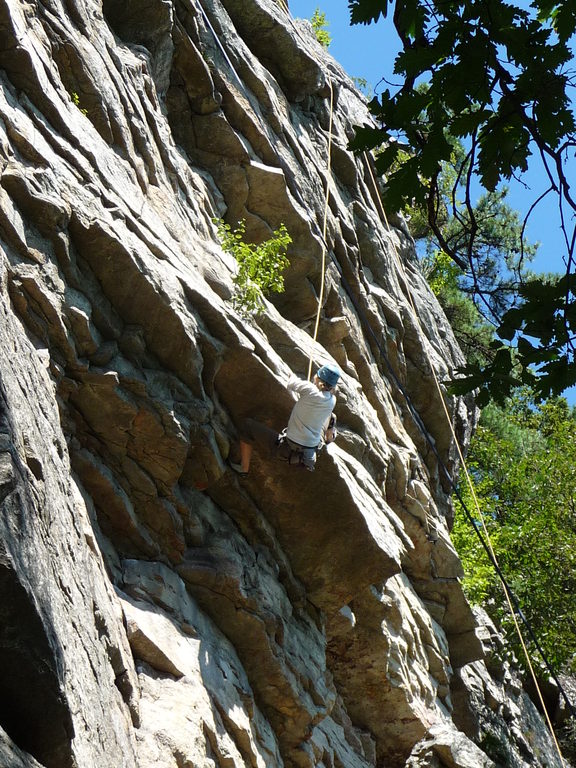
311 424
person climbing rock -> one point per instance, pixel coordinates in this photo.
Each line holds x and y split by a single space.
311 423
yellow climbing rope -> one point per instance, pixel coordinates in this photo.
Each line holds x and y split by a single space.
284 5
324 228
469 482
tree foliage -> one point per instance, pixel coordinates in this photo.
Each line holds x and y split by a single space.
523 462
473 299
489 229
523 465
473 333
320 27
494 76
260 265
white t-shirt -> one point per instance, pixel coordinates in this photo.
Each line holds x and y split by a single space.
310 414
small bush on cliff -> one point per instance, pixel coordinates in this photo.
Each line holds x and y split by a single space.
76 101
260 266
320 27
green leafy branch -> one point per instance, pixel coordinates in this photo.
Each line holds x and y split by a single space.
260 266
320 27
522 461
541 327
495 77
76 101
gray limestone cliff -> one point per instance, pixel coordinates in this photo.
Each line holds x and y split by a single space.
156 609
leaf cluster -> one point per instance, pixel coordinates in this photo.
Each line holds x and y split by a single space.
76 101
260 265
495 75
523 462
320 27
542 326
492 77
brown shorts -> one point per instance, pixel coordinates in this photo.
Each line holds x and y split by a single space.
258 434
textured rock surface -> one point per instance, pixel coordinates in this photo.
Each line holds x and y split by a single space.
157 610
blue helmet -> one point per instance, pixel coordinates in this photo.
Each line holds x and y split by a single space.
329 374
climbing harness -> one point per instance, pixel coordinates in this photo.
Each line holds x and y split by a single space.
295 454
300 455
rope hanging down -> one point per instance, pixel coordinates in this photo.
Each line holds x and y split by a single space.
488 548
284 7
512 600
324 227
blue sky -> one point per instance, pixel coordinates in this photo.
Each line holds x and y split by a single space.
368 51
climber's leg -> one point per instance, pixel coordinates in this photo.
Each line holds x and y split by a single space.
254 433
245 455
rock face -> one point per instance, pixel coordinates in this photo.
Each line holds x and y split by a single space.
157 610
